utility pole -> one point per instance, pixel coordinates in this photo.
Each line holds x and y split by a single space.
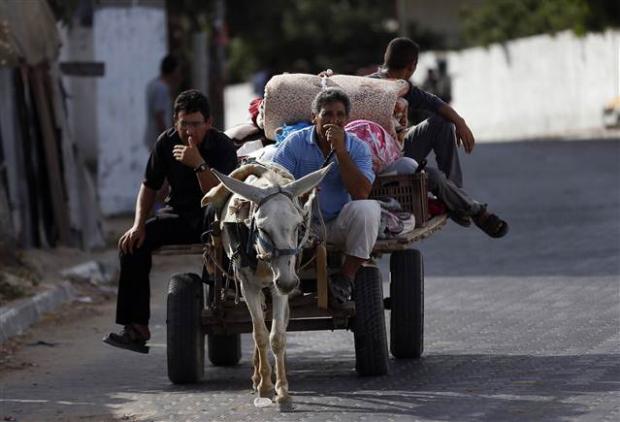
217 76
401 15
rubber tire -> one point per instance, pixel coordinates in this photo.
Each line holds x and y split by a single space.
224 350
371 352
185 336
407 304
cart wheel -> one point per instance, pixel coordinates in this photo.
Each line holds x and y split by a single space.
371 354
185 337
407 304
224 350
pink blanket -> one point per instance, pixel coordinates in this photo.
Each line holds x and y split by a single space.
385 150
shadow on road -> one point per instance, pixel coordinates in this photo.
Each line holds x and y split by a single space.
460 387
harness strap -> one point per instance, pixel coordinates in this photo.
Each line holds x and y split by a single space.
268 244
275 252
206 256
271 195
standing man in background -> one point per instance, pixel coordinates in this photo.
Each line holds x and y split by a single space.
159 94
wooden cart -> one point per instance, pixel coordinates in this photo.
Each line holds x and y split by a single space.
199 307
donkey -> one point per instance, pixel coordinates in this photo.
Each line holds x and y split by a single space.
275 219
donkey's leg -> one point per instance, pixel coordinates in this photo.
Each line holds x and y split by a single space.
278 344
255 374
253 300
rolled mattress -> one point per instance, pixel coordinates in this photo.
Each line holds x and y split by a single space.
288 99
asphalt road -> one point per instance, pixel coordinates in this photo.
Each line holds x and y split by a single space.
522 328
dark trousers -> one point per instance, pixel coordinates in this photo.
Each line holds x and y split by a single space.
166 228
438 135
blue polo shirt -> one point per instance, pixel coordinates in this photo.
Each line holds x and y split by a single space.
300 154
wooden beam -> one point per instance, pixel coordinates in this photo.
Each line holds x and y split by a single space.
96 69
321 276
50 147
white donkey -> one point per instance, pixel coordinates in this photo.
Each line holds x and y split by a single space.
275 221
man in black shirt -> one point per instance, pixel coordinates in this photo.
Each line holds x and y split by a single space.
441 133
182 155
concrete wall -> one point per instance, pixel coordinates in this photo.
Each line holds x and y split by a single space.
131 40
236 102
538 86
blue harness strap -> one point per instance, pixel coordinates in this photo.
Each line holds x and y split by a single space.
267 243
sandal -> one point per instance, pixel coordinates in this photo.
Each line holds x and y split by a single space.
128 338
340 289
491 224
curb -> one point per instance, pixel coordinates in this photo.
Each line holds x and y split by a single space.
16 318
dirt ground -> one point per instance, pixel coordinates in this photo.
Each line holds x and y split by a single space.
65 314
35 270
26 272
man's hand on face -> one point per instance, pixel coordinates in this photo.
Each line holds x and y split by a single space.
335 136
188 154
465 137
132 239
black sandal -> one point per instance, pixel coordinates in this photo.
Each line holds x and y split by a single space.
129 339
491 224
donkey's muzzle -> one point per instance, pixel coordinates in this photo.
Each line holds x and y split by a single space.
286 285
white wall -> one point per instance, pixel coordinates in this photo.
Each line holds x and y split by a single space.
538 86
236 102
131 41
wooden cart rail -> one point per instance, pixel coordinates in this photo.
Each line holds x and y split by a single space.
305 316
382 246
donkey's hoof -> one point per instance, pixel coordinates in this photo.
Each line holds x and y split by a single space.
284 399
262 402
285 404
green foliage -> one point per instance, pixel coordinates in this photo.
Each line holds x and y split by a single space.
17 278
10 290
241 61
603 14
309 35
194 14
346 35
502 20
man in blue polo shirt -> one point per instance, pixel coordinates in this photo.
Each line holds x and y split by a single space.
352 220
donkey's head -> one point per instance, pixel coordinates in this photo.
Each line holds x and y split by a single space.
276 222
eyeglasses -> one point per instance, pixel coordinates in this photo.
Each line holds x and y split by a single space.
187 125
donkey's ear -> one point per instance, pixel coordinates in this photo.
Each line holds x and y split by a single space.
249 192
308 182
